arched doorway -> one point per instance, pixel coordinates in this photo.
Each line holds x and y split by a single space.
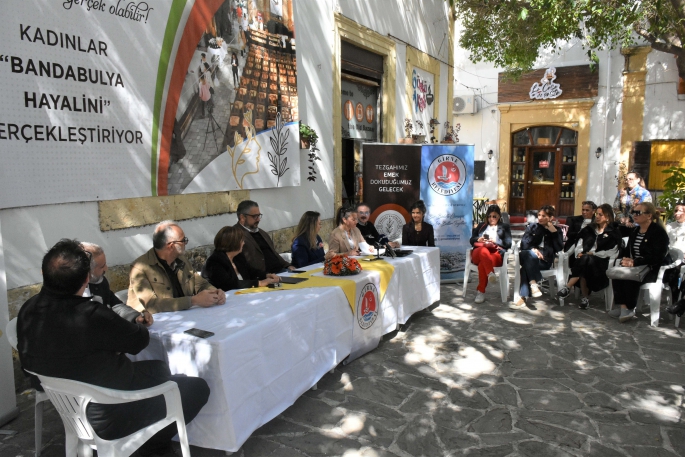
543 169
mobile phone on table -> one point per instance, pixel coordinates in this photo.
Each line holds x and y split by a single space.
199 333
299 271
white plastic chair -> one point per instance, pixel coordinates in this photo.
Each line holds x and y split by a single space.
71 398
501 272
566 272
555 272
651 291
122 295
41 397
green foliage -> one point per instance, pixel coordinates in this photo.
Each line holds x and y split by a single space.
510 34
307 133
674 190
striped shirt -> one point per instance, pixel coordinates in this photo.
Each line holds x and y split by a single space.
636 244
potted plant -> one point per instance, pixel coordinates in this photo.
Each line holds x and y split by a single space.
408 127
419 138
307 136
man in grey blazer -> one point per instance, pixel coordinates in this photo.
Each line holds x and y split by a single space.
259 250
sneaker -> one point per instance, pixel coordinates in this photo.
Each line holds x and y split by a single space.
480 297
626 315
492 278
563 292
677 308
518 304
615 313
535 291
584 303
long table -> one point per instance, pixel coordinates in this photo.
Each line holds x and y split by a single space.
269 348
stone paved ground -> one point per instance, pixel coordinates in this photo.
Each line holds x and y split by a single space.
478 380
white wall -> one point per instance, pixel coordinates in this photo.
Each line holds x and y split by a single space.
664 113
28 232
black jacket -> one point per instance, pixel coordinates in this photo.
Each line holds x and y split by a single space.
503 233
369 232
101 291
534 235
605 241
303 255
653 249
220 273
575 224
411 237
72 337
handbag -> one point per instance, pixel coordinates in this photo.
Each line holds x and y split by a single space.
341 265
628 273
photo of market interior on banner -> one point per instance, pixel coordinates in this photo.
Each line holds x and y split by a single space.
168 97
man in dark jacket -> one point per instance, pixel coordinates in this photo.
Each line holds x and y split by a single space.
65 335
578 223
259 250
98 288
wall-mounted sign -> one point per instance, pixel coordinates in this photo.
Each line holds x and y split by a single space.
359 110
422 83
543 164
546 88
577 81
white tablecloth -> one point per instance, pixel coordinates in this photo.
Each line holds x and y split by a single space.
269 348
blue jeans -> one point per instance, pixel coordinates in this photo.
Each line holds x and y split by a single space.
531 267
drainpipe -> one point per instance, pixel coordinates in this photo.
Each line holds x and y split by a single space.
606 122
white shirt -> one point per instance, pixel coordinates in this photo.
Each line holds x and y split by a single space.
676 235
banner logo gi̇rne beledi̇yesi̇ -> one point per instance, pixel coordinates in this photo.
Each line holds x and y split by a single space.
367 306
447 174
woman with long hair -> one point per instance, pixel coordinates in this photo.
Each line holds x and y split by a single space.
307 247
346 239
234 69
490 239
647 245
540 243
418 232
597 242
227 269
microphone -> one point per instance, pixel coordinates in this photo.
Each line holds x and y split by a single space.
389 251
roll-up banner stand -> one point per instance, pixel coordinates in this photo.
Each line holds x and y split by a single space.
397 175
8 398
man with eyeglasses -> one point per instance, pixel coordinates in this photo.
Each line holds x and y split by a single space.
628 197
163 280
366 227
259 250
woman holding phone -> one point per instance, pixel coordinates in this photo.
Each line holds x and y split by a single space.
490 239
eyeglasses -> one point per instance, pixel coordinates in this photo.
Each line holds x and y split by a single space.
638 213
256 216
89 255
184 241
365 213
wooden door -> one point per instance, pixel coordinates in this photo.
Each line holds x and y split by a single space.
541 185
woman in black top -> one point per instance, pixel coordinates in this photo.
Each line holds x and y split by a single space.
418 232
307 247
540 243
647 245
227 269
597 243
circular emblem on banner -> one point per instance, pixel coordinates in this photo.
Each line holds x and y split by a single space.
360 112
349 110
390 223
447 174
367 306
369 114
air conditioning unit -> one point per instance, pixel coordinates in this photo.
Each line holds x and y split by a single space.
464 104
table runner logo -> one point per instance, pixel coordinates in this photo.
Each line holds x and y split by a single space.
390 224
447 174
367 306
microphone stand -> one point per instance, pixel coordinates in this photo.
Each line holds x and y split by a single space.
378 253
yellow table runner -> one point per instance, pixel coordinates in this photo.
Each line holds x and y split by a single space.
348 286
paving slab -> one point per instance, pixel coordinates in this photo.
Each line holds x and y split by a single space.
474 380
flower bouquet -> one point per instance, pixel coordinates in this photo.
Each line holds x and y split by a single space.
341 265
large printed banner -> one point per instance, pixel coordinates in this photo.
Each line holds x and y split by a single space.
391 179
447 190
106 99
397 175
